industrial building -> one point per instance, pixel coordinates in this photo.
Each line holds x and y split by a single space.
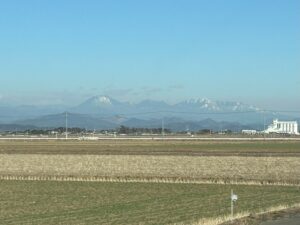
282 127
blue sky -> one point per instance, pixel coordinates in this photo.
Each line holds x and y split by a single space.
62 51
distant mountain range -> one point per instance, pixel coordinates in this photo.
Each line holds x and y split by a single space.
103 112
107 105
99 123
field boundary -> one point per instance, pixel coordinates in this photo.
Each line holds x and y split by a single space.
225 219
144 180
160 138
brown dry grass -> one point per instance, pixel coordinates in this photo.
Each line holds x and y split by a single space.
232 168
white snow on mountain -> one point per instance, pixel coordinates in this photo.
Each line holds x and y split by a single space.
203 103
100 100
210 105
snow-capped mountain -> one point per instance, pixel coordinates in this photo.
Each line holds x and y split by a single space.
117 112
100 101
104 105
236 106
100 105
192 109
198 104
205 104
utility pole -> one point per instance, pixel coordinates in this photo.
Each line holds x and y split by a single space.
66 125
264 113
264 120
162 127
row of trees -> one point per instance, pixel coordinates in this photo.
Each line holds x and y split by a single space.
59 130
133 130
120 130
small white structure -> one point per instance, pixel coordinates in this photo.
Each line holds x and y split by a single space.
282 127
249 132
88 138
234 197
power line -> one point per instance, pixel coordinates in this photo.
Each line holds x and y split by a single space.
207 113
66 125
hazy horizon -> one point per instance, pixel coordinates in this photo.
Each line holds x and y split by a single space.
63 52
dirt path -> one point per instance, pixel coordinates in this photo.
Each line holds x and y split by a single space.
287 220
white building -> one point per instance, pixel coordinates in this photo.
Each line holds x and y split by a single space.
282 127
249 132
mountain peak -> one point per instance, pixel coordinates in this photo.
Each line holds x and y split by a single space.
203 103
101 100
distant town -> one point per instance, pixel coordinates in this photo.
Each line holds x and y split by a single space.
276 129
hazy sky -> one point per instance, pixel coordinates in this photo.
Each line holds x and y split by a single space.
61 51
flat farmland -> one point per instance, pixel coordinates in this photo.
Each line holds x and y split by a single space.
225 161
50 202
152 181
154 147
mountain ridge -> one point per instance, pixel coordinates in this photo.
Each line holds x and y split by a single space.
108 109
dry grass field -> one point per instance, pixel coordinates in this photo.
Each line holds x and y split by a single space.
215 168
50 202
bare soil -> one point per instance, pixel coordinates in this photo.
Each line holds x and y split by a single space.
155 147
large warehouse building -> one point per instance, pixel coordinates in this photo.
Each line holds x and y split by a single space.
283 127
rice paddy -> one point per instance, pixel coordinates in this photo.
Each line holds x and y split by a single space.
49 202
